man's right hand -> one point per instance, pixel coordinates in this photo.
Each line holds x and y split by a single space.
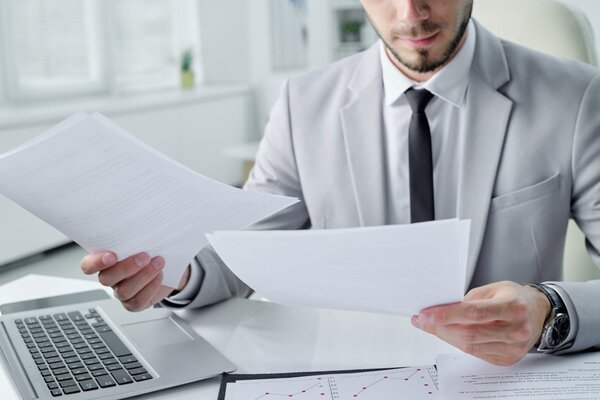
136 281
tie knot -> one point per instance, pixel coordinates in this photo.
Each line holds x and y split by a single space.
418 99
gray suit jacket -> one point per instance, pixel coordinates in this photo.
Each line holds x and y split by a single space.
529 160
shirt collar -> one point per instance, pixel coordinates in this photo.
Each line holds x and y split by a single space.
450 83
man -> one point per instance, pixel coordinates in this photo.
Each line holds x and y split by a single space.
440 120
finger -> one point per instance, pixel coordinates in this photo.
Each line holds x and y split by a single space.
497 331
123 270
160 295
92 263
143 298
498 353
128 288
474 312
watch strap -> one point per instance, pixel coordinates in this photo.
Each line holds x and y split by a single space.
557 309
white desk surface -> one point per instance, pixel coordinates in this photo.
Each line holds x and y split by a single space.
261 337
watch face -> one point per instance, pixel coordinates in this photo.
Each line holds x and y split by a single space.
558 331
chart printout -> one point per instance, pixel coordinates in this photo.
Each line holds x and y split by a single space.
407 383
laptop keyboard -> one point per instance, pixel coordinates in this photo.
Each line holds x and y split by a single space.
76 353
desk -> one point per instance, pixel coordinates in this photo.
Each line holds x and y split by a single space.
265 337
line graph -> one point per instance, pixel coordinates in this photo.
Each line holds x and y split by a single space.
317 385
411 383
424 381
304 388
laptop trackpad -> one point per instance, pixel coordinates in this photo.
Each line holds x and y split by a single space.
156 333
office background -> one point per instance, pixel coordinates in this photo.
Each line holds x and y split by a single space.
124 58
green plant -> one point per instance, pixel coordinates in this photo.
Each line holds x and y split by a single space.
351 27
186 60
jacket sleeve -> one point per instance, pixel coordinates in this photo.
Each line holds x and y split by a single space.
585 210
274 172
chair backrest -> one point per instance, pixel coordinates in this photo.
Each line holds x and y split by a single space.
545 25
554 28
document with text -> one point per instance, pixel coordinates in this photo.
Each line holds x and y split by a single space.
108 191
536 376
398 269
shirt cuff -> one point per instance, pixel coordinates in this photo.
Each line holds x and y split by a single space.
570 309
191 289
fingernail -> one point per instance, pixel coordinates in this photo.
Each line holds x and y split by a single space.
426 319
141 260
109 259
415 321
158 263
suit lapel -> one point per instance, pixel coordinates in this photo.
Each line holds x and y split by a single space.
488 112
482 143
362 125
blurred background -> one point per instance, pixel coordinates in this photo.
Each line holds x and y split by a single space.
193 78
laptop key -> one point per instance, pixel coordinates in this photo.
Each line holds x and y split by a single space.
83 377
63 377
88 385
113 367
67 383
105 381
71 390
55 392
57 365
78 371
127 359
114 343
91 360
137 371
53 360
76 316
53 385
94 367
60 371
142 377
121 377
49 379
99 372
73 360
132 365
60 317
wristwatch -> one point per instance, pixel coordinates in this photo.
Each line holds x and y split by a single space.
558 325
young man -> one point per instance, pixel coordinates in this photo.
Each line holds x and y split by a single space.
441 119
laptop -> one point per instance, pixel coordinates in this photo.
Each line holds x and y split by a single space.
86 346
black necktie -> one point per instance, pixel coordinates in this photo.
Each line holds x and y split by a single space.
419 158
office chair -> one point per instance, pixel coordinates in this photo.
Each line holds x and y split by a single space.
560 30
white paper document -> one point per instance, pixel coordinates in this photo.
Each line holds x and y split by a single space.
107 190
402 383
398 269
536 376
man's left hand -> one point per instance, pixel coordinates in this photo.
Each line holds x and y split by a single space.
498 323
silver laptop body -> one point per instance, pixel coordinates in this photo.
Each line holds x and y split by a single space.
94 349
